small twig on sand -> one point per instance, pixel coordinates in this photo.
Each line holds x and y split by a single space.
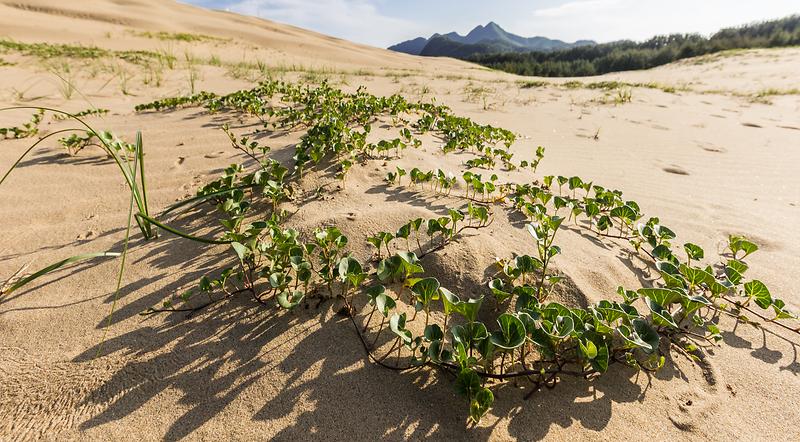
6 285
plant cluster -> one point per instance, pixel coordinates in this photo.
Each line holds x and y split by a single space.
48 51
93 112
533 338
176 102
26 130
74 143
405 318
179 36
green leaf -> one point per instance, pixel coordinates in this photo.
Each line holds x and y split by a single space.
562 327
696 276
662 296
660 315
611 311
693 251
398 326
663 253
592 210
588 348
426 289
646 333
349 266
600 362
437 354
740 266
56 266
623 212
375 241
404 231
535 232
290 299
693 303
469 334
663 232
780 310
453 304
499 290
241 250
480 404
604 223
628 295
511 334
740 244
759 292
716 334
385 303
388 269
410 263
575 182
468 383
544 341
632 339
433 332
733 274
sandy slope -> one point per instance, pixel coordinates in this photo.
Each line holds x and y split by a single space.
708 161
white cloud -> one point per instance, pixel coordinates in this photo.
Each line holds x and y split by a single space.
607 20
576 7
355 20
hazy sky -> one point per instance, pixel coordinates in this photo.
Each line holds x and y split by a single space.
385 22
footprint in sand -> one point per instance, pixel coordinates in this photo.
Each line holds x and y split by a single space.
179 161
789 127
677 170
751 125
87 236
693 405
690 408
708 147
214 154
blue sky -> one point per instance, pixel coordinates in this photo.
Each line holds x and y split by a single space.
385 22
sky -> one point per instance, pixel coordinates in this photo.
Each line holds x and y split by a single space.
385 22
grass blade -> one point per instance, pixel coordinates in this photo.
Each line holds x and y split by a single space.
199 198
56 266
175 231
122 163
24 154
124 245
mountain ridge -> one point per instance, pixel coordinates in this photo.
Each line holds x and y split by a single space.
480 40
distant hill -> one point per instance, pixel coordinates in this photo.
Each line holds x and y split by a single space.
481 40
413 47
626 55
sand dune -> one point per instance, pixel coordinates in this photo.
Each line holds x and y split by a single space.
712 158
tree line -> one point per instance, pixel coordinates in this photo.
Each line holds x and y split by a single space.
629 55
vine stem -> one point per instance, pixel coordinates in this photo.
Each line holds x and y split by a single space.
760 316
371 355
442 245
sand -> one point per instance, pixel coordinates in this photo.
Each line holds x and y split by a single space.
710 160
